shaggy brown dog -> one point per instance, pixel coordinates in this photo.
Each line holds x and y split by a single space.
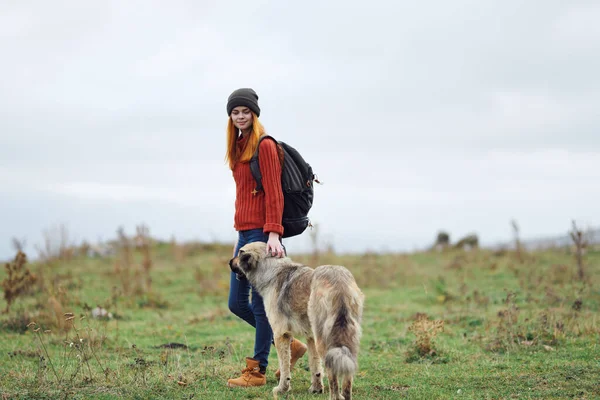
323 304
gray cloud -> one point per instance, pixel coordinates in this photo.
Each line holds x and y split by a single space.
456 114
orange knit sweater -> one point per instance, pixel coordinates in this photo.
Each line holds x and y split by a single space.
262 209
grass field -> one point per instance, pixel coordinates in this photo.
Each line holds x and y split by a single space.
507 327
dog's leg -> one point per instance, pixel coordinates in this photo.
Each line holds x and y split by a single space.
282 344
316 371
347 389
334 389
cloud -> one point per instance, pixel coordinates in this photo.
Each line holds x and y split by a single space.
458 114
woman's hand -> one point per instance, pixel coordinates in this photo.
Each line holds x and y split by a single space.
274 246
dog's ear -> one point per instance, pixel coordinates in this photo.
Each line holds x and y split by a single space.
247 261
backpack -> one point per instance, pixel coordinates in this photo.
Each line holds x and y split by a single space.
297 184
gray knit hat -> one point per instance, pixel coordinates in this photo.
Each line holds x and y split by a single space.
243 97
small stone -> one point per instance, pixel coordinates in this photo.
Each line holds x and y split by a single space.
100 312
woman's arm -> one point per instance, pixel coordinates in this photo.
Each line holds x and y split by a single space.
270 167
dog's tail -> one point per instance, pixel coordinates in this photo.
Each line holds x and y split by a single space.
341 361
341 356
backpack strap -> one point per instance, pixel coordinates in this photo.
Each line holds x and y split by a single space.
255 167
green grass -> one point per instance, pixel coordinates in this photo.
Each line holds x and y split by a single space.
511 329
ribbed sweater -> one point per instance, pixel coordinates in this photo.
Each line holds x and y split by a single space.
262 209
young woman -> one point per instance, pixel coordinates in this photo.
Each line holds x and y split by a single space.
257 218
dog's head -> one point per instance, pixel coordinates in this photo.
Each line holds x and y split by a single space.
248 258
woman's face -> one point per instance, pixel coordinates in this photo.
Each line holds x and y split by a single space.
242 117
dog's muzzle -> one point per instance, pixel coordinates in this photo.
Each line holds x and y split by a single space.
238 276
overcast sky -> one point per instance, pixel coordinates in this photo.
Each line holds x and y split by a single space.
418 116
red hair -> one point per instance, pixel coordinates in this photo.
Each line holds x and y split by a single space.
234 156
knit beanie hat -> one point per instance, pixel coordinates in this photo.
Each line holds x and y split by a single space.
243 97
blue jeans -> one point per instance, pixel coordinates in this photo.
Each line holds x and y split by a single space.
253 313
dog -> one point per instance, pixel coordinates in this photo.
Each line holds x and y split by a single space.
324 305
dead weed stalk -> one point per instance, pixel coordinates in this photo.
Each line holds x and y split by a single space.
19 279
36 329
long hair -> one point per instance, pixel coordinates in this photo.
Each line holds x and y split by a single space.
234 156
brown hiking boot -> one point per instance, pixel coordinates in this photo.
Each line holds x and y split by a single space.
297 350
251 375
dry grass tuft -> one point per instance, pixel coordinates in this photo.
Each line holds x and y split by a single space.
179 251
144 243
580 241
57 246
425 330
507 330
19 279
124 262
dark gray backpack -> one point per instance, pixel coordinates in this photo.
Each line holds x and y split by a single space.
297 179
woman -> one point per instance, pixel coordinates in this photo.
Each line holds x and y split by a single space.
257 218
